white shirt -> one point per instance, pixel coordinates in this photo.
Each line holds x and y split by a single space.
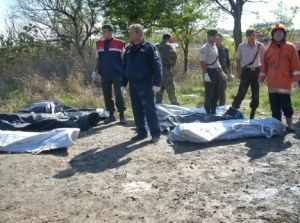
209 54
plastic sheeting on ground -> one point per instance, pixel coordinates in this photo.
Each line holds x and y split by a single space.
173 115
34 142
226 130
48 115
164 110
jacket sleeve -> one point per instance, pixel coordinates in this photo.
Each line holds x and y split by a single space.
124 79
264 68
156 65
227 58
295 65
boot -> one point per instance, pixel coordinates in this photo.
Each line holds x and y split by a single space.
110 119
122 118
290 127
252 114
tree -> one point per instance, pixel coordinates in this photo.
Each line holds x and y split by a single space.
285 16
70 22
235 9
147 12
188 20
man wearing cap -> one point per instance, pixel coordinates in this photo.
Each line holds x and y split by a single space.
280 74
225 64
212 70
168 57
108 64
248 61
142 68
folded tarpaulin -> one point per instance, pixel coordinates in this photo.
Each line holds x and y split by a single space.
36 142
226 130
49 115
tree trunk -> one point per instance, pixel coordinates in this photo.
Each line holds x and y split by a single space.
186 56
237 29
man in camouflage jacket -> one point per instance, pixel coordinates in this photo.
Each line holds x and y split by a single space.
168 57
225 64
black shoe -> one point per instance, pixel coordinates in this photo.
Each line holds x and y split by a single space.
110 119
252 116
155 139
139 137
123 120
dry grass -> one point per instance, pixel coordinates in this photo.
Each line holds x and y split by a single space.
67 79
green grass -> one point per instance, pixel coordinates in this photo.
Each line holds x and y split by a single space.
190 94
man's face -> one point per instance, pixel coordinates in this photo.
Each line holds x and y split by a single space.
252 36
219 40
133 36
212 39
107 34
278 35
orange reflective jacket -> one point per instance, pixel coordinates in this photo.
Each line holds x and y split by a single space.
280 66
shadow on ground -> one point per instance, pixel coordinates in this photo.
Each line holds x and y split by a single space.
94 161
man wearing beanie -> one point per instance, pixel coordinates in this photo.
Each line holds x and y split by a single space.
108 64
212 70
280 74
248 61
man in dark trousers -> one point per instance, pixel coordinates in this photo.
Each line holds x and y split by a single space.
248 62
280 74
108 64
142 68
168 57
212 70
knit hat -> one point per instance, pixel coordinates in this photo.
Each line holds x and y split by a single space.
108 26
249 32
212 32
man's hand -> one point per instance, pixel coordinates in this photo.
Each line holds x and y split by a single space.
123 90
207 78
223 75
261 84
296 84
94 75
156 89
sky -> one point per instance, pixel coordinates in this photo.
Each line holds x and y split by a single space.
248 19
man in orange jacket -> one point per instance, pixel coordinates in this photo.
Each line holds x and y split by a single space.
281 67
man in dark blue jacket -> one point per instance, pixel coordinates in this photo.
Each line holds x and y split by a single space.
142 68
108 64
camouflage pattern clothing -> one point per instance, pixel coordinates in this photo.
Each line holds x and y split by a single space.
225 64
168 57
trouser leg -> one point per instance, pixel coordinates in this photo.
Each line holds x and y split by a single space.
274 100
255 91
222 96
170 86
120 103
242 91
106 84
138 107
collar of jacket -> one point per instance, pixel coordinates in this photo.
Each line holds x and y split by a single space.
274 43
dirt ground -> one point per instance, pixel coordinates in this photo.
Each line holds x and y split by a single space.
105 177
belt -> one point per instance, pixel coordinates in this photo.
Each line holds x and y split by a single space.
251 68
211 68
